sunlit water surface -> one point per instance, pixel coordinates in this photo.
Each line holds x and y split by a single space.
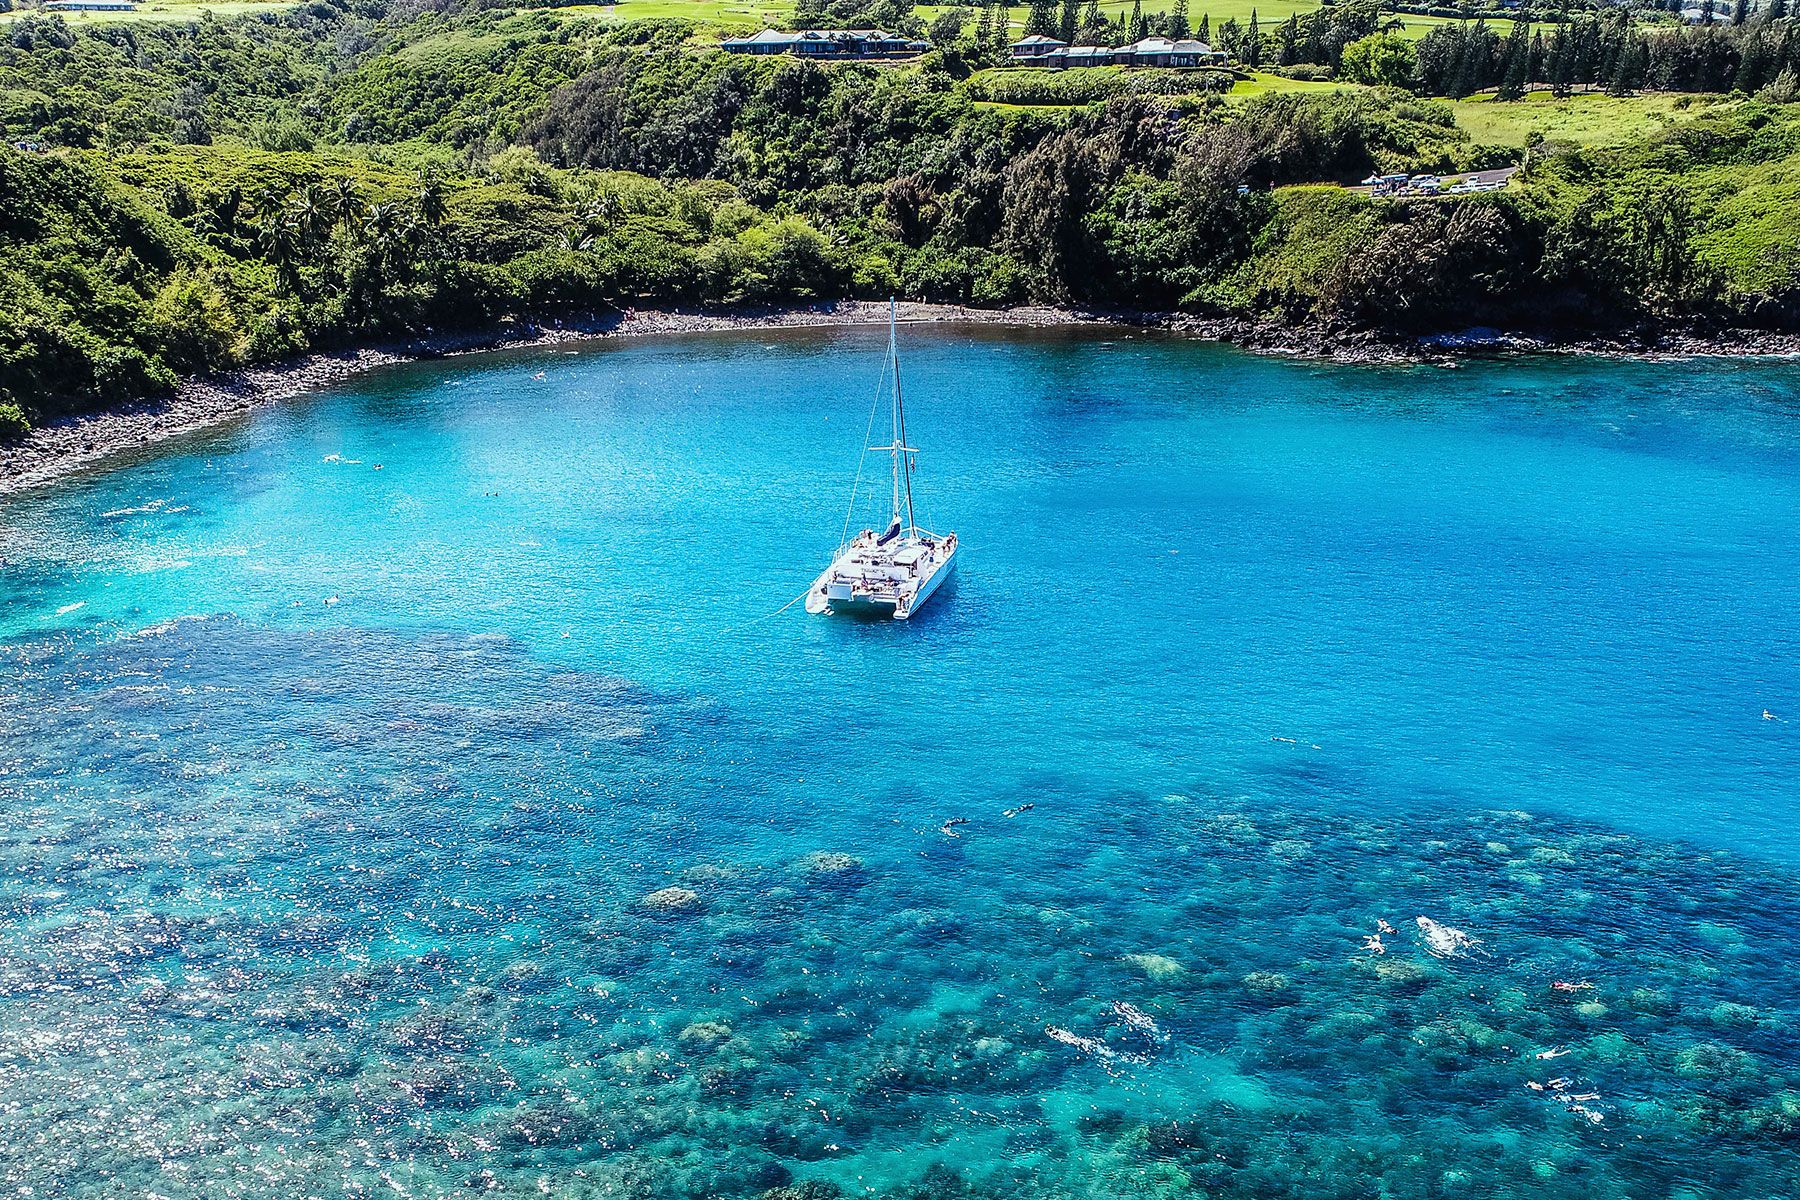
340 752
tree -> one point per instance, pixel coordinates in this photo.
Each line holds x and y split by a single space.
1515 64
428 200
1380 60
310 213
1250 49
380 220
1092 23
1178 20
1559 65
1204 33
279 242
947 26
1628 71
1135 29
1042 21
345 200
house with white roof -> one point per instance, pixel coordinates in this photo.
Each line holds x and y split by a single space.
827 43
1147 52
1035 46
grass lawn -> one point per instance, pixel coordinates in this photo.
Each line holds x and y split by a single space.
170 10
1417 27
1260 84
712 12
725 12
1590 120
1269 13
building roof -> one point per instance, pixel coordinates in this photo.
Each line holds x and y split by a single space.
1150 45
768 37
1038 39
780 37
849 35
1192 46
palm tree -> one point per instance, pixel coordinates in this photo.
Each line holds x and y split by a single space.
345 201
310 213
429 200
380 220
280 242
407 240
266 205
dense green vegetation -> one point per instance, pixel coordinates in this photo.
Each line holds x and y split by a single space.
189 196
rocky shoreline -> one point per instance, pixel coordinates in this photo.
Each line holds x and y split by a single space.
69 445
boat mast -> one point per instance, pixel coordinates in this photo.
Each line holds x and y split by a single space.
894 363
902 468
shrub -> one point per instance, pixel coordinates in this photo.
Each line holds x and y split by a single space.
13 424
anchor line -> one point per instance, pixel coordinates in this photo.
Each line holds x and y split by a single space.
766 616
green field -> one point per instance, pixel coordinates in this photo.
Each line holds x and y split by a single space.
723 12
1417 27
1268 12
169 10
1589 120
712 12
1260 84
736 14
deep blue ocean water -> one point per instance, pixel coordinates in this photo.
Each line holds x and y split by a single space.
341 748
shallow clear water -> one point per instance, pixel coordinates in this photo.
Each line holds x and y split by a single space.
333 794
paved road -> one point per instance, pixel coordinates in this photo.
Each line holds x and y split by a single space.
1497 177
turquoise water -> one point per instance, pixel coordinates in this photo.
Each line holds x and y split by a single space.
341 750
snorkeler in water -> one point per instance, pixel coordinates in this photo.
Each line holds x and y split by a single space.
1374 945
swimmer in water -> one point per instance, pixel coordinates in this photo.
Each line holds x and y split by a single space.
1547 1055
948 829
1381 926
539 377
1374 945
1564 986
1013 812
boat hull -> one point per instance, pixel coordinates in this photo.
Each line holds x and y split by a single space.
837 597
930 585
872 609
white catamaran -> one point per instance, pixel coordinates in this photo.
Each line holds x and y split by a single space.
892 573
